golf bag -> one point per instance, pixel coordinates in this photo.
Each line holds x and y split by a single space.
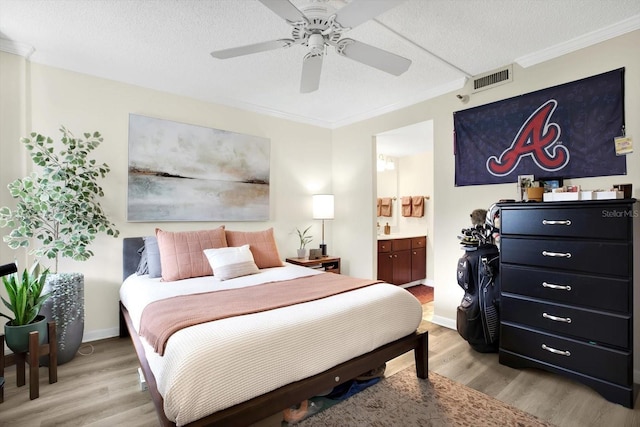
478 314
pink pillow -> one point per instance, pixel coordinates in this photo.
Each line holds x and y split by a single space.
261 243
181 253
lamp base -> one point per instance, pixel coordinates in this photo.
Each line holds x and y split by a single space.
323 246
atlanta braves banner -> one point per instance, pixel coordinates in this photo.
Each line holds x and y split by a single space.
563 131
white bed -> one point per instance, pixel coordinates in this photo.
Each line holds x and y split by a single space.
217 365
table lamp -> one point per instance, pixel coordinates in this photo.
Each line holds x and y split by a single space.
323 209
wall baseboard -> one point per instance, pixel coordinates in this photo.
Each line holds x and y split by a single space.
100 334
444 321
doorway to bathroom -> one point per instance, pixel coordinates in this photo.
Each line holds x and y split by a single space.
404 170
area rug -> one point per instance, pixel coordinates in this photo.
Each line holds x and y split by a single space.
422 292
405 400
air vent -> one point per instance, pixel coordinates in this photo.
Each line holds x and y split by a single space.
493 78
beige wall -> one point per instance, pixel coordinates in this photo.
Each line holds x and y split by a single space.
451 204
305 159
13 124
300 163
416 179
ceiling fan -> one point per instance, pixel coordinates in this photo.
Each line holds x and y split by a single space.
318 25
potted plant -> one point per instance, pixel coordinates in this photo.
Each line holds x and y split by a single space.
59 206
26 297
304 239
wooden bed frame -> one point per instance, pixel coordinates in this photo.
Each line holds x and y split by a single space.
268 404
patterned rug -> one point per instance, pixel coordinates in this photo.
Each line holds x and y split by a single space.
422 292
405 400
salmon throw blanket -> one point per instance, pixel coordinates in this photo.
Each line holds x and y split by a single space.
160 319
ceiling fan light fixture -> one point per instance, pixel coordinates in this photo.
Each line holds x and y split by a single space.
316 43
317 8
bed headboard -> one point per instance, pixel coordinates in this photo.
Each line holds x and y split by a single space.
130 256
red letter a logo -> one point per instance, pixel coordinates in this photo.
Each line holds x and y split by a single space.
537 138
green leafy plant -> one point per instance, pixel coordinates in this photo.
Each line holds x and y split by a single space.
25 294
304 238
59 206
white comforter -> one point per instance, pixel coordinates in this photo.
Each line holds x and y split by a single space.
209 367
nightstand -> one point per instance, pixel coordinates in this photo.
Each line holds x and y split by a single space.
330 264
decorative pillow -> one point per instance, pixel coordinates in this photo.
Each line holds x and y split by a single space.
262 245
152 253
142 268
228 263
181 255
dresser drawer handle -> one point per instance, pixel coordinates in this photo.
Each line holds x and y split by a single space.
556 318
556 222
560 287
555 351
557 254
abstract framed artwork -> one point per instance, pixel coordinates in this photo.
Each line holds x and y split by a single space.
183 172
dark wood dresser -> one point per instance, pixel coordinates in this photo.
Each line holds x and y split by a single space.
567 275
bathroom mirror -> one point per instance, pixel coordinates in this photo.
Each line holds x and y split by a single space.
387 189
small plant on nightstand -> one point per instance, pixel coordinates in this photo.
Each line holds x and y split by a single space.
304 240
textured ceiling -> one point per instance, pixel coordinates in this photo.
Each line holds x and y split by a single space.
166 45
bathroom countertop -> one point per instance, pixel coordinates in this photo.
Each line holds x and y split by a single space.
399 236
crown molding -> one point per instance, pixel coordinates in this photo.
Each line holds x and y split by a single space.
271 112
630 24
407 102
16 48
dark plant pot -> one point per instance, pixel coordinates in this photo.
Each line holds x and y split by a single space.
17 337
65 306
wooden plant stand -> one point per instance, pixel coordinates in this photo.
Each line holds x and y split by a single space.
32 357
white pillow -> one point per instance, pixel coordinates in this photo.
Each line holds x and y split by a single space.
228 263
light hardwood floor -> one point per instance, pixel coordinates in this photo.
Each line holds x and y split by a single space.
101 388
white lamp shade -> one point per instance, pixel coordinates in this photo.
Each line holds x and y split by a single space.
323 206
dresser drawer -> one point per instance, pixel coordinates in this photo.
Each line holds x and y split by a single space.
603 293
606 258
595 222
599 362
590 325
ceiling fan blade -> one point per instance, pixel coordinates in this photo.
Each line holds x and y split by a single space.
251 48
359 11
284 9
311 68
373 56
